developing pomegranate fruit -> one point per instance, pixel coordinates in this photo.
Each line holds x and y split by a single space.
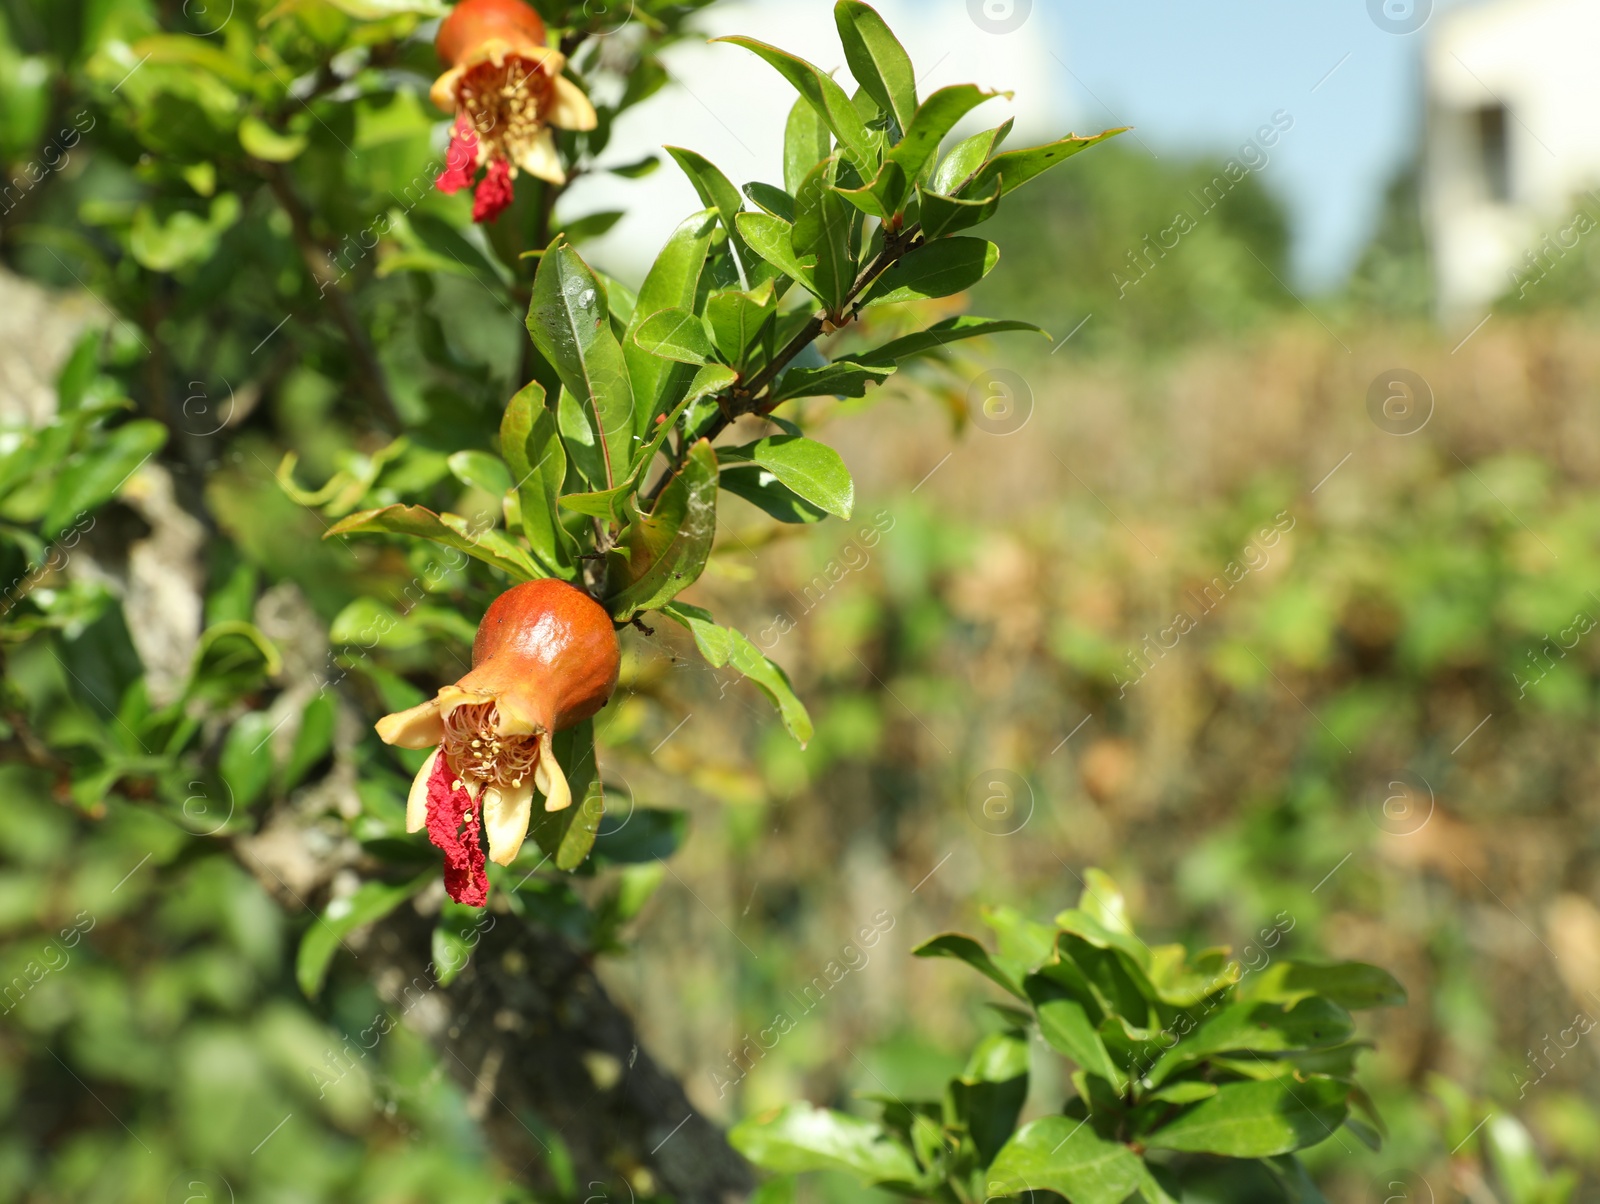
545 658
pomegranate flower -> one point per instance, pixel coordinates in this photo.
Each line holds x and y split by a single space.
545 658
505 87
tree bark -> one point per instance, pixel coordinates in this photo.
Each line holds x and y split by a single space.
546 1056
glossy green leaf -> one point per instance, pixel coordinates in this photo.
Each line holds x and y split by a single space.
824 95
802 1138
964 948
570 324
760 488
805 144
723 646
951 330
1015 168
934 118
877 60
943 215
1257 1120
949 265
813 470
1063 1155
774 200
643 834
710 380
487 545
672 283
1257 1028
957 168
666 549
1067 1025
736 318
675 334
532 449
371 901
842 378
769 237
822 232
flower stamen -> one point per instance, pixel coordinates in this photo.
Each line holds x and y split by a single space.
476 750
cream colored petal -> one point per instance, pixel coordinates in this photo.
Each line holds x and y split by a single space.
539 158
417 800
506 810
570 108
443 91
451 697
513 717
557 794
418 727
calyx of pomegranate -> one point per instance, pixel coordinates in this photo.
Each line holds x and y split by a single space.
545 658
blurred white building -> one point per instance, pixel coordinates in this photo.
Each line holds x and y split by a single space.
1513 140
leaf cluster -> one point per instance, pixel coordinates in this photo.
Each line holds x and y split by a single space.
1179 1061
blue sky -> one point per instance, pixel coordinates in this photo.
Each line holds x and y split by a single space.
1191 75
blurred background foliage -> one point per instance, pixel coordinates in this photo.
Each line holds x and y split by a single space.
1383 728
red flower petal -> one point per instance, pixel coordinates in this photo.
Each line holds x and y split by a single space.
494 193
461 160
454 824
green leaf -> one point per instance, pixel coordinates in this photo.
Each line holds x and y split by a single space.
312 742
774 200
590 225
935 118
842 378
1257 1028
824 95
1068 1027
532 448
1258 1120
769 237
261 141
672 283
988 1096
1064 1155
451 530
877 60
246 762
480 470
712 379
717 192
94 476
822 232
937 269
950 330
675 334
942 215
957 168
805 144
964 948
1354 985
570 325
882 198
371 901
760 488
184 238
802 1138
736 318
568 835
813 470
723 646
666 549
1015 168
